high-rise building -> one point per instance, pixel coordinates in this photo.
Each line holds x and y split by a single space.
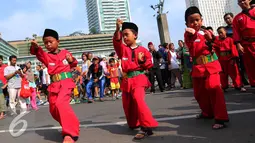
7 50
213 10
235 9
102 14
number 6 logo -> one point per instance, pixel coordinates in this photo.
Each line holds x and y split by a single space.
14 123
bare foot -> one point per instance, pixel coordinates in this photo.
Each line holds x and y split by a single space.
68 139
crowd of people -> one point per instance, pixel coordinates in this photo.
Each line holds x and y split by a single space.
203 62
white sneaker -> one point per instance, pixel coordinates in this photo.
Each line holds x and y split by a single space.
25 112
13 114
46 103
41 102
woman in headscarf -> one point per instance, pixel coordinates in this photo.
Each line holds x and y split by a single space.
186 64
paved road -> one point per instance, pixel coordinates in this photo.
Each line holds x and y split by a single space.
105 122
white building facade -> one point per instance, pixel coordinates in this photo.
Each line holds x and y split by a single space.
102 14
214 10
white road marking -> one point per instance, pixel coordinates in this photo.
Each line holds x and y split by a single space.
124 122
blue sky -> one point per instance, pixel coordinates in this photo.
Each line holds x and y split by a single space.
22 18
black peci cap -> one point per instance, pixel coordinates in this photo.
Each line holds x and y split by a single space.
51 33
129 25
191 10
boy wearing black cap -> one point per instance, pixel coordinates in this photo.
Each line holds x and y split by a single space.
59 64
205 70
134 61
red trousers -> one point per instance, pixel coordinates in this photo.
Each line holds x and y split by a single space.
136 110
210 97
231 70
249 61
62 112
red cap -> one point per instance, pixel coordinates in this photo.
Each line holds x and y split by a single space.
150 43
95 58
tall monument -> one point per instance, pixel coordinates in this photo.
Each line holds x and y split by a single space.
162 23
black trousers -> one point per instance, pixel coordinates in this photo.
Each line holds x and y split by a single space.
156 72
242 70
165 76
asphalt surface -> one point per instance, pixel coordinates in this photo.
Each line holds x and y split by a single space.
175 110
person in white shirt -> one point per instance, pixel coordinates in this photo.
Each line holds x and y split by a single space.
174 66
45 82
13 75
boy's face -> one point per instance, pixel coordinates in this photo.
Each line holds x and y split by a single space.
228 19
96 61
195 21
129 37
1 61
244 4
222 33
112 63
51 43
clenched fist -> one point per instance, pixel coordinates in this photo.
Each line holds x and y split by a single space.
141 57
190 30
69 58
118 23
34 44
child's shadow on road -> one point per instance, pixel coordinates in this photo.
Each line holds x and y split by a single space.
51 134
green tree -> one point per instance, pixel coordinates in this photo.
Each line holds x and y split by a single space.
93 30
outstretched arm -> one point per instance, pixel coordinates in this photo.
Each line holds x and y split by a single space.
37 50
117 39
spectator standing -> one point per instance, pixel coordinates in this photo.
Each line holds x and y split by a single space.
45 83
13 75
186 64
3 79
31 79
155 70
173 66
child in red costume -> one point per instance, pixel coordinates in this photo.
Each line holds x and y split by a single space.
113 69
205 70
244 37
59 64
134 61
228 56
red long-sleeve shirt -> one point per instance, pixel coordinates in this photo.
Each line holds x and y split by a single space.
197 47
130 63
56 64
127 62
244 26
226 45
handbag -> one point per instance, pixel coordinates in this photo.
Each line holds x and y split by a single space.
25 91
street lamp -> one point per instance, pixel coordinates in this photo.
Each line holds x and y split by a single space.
162 22
158 7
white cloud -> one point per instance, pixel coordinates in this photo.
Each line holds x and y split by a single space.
58 8
20 24
23 24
